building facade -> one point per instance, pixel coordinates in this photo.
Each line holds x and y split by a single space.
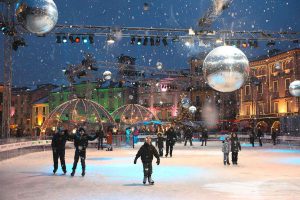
1 104
202 94
265 99
21 107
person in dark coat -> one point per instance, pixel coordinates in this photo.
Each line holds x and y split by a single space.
160 144
274 136
100 133
58 145
170 141
235 148
204 137
146 152
188 136
252 136
259 136
81 141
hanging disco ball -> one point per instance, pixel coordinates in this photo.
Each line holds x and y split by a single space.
186 102
37 16
294 88
130 97
159 65
226 68
192 109
107 75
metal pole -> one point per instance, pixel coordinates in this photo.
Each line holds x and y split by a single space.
7 78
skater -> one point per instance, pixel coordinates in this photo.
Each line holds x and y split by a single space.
81 141
100 138
170 141
226 150
204 137
188 136
58 145
235 148
160 144
109 139
274 136
146 152
252 136
259 136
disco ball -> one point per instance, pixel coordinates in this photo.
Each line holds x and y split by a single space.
37 16
186 102
130 97
294 88
159 65
226 68
192 109
107 75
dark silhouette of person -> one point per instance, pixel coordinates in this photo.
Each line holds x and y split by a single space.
146 152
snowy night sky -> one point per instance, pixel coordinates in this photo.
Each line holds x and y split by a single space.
43 59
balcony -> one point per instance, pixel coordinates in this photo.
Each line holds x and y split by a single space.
163 105
247 98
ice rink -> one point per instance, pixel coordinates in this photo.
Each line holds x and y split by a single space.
193 173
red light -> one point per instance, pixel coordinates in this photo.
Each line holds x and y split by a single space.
77 39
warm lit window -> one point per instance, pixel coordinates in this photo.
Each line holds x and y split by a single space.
275 86
287 83
36 110
247 109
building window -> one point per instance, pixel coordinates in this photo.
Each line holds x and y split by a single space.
260 89
247 90
289 106
36 120
260 108
275 107
247 109
44 119
197 100
275 86
287 83
44 110
36 110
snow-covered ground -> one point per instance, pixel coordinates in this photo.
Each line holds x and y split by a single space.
193 173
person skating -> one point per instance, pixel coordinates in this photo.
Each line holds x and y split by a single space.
100 133
235 148
259 136
81 141
188 136
226 150
252 136
146 152
58 145
274 136
204 137
170 141
160 144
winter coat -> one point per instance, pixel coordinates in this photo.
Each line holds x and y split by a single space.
160 142
188 134
204 135
146 152
259 133
235 145
226 147
81 141
171 136
100 134
59 141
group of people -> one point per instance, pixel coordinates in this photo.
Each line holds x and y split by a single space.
231 144
81 140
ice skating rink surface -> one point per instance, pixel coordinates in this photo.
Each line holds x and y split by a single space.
192 173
